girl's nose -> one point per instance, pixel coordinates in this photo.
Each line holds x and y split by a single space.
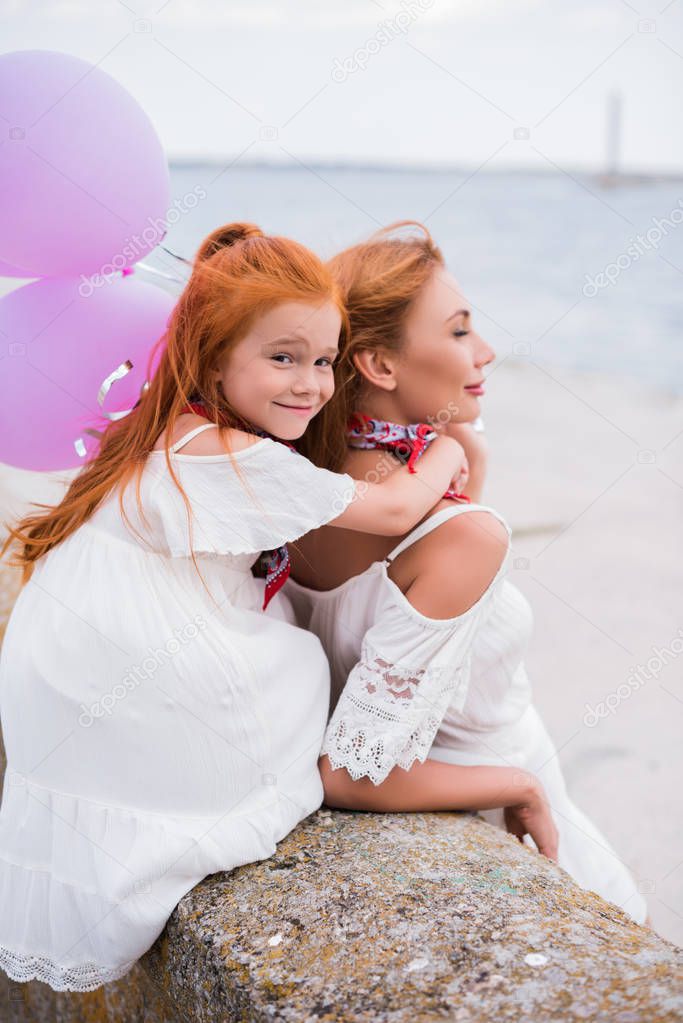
305 382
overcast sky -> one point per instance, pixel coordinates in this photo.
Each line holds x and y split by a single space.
520 83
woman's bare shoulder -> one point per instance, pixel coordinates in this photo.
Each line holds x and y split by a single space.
218 441
455 562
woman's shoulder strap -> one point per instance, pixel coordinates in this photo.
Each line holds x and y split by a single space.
435 520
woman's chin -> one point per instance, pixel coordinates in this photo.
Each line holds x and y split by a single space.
472 401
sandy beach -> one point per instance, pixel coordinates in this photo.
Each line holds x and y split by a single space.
589 473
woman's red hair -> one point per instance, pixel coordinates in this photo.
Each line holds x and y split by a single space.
379 280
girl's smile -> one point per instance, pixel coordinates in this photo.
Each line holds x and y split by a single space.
279 375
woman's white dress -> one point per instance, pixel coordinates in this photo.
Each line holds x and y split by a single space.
406 687
154 736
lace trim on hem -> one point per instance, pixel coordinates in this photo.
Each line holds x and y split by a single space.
367 768
347 745
85 977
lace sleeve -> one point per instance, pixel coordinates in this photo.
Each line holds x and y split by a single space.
388 715
411 670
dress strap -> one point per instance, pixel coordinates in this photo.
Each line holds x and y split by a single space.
435 520
193 433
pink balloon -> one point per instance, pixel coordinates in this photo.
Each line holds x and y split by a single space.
84 183
56 350
6 270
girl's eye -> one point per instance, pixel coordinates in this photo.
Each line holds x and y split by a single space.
281 355
460 333
325 360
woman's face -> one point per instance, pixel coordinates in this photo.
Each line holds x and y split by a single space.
443 357
280 374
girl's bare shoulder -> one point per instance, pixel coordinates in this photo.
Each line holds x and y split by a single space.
218 441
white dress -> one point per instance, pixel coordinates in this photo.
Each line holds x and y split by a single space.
154 736
406 687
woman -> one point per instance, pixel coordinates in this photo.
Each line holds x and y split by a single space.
426 639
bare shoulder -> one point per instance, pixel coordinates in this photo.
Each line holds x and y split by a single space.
459 558
474 541
480 531
218 441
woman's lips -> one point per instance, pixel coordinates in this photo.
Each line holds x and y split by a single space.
476 388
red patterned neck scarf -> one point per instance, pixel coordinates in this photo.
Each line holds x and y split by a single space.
407 443
275 563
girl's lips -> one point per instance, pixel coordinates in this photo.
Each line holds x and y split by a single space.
299 410
476 389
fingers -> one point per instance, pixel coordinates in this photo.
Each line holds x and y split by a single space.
547 845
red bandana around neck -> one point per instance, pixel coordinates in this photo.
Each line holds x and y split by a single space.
406 442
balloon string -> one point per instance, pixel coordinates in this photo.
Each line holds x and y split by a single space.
175 256
160 273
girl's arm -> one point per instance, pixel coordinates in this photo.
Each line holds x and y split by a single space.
433 786
393 507
476 452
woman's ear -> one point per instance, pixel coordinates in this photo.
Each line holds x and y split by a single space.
377 367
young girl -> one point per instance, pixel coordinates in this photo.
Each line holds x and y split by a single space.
426 639
158 726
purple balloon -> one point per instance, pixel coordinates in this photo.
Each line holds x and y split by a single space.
56 350
84 183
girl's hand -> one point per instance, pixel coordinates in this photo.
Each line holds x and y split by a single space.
460 480
532 816
393 506
476 453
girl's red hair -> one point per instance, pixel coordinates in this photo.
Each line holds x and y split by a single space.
237 274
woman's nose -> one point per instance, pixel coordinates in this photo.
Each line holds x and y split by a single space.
485 353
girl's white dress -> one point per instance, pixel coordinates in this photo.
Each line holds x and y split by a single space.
154 736
406 687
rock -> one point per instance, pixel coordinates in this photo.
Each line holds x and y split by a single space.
386 917
392 917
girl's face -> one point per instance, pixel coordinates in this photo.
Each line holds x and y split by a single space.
440 367
280 374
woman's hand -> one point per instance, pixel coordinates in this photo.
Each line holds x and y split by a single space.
532 816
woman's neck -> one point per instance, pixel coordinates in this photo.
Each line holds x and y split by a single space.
382 405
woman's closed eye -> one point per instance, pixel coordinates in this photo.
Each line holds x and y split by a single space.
460 333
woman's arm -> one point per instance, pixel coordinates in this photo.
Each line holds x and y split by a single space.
394 506
433 786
